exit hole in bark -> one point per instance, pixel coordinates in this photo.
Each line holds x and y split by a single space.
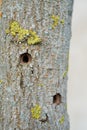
57 99
25 58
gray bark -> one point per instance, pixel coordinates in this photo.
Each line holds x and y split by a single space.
26 86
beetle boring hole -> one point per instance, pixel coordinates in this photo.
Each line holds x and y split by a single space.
25 58
57 99
32 71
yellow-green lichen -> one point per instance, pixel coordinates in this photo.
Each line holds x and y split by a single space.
36 111
1 81
41 85
62 21
16 30
55 19
22 34
65 73
67 68
34 38
61 121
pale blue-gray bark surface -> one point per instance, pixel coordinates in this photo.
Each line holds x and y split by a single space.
27 85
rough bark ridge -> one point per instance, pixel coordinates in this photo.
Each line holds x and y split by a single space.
33 85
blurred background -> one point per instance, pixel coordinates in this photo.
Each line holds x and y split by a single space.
77 83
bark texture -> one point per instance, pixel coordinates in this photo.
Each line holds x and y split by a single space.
28 90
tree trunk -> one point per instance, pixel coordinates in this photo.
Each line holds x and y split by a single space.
34 49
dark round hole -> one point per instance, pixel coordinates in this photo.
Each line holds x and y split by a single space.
57 99
25 58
